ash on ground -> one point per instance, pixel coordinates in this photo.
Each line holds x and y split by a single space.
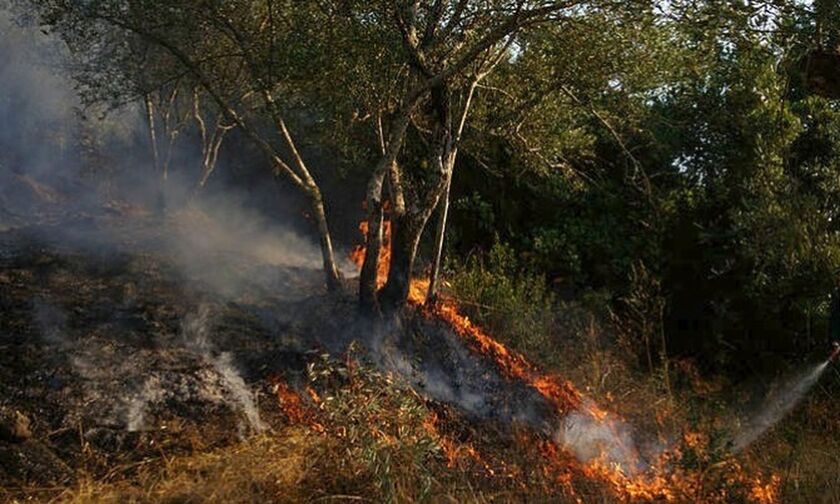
121 339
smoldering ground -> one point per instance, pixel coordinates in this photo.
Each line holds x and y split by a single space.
105 320
128 312
161 342
119 319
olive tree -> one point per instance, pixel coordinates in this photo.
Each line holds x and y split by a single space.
234 52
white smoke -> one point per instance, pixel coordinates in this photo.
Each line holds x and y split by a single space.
196 332
223 363
151 392
219 383
608 440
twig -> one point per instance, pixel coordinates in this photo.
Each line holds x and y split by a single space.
337 497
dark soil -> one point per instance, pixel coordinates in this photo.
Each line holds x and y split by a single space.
115 353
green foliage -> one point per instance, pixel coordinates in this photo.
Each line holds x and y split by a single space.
382 427
699 158
608 135
513 304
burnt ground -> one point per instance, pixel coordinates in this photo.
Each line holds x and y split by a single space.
94 351
114 352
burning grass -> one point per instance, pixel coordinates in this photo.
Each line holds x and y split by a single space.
617 460
676 471
385 441
352 433
342 429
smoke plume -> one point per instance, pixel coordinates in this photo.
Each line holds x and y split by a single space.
197 335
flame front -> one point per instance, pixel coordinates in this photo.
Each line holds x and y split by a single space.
662 478
293 405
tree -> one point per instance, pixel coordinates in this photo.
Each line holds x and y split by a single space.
446 48
229 50
212 133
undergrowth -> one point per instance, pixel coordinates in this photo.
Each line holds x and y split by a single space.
355 435
620 360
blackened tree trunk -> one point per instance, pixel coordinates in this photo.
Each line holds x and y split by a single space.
405 236
368 277
425 189
406 232
367 280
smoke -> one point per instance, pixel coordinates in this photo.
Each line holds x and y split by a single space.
612 441
82 183
196 333
95 366
226 248
218 381
607 440
233 250
77 177
41 128
778 404
37 104
151 392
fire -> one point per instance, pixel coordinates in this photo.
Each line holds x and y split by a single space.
562 394
357 255
662 480
293 405
452 450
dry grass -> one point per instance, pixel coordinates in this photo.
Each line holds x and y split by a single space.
803 449
295 464
603 360
368 440
266 468
375 445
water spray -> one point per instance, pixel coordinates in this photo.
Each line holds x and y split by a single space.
783 401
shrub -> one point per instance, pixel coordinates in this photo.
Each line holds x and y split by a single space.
380 430
510 302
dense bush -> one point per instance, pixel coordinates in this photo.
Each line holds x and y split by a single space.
509 301
383 441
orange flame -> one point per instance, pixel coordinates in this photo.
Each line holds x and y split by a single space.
293 405
662 482
357 255
452 450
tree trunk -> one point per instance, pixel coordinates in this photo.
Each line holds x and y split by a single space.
150 123
406 231
450 154
405 236
210 154
368 277
303 180
316 202
425 192
440 233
